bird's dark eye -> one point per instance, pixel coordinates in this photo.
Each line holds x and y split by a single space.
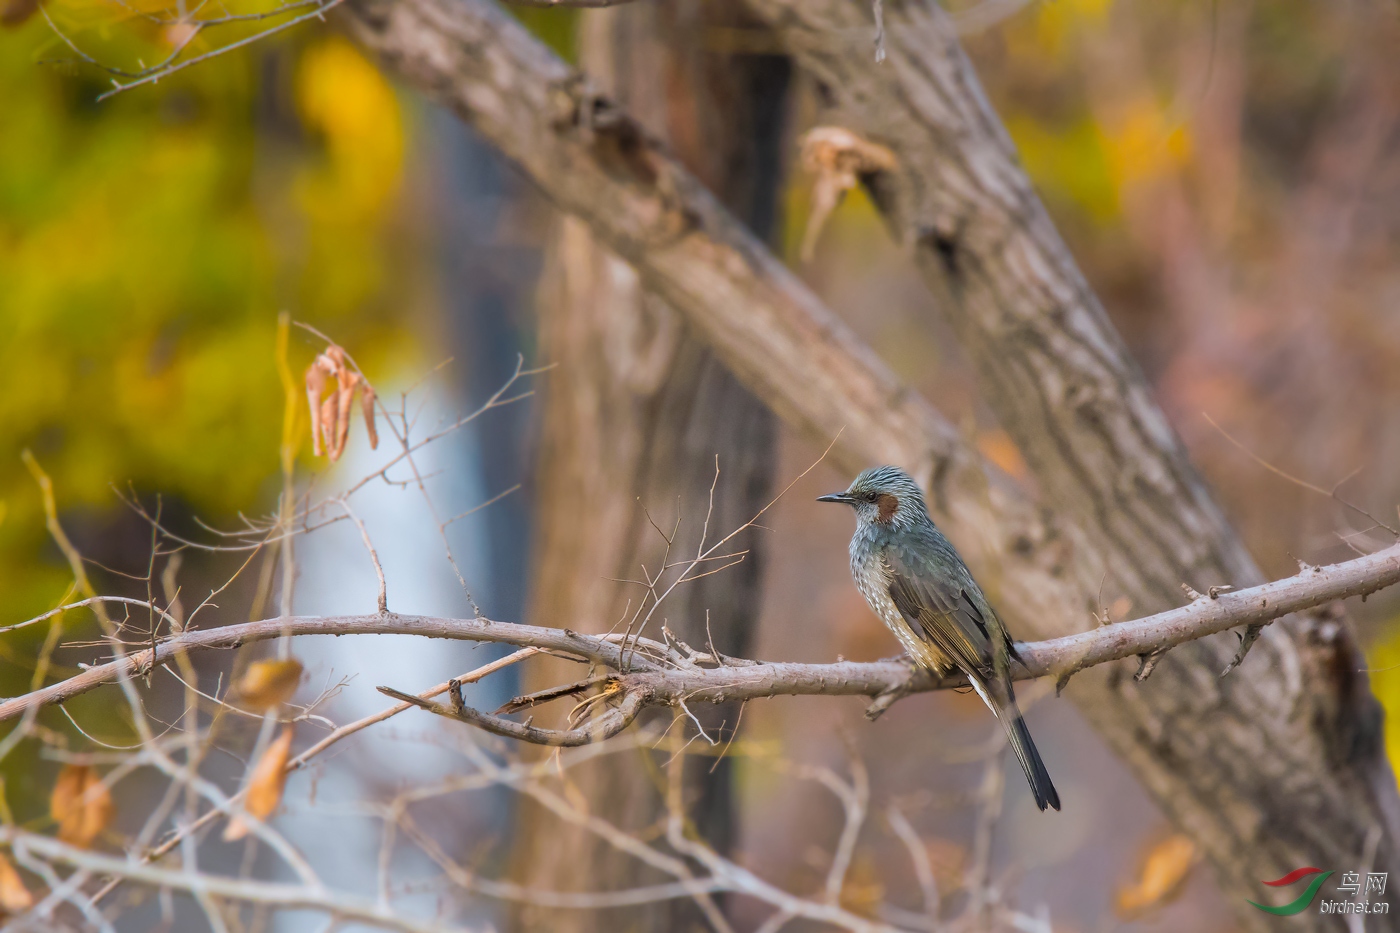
870 497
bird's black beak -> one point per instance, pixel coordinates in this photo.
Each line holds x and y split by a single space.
837 497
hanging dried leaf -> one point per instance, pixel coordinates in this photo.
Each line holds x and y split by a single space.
1165 867
330 415
265 786
80 804
367 400
14 896
316 376
347 383
837 157
266 685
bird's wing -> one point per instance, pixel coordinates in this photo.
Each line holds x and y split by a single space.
938 605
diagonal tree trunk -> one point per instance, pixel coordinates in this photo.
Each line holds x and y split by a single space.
635 413
1059 377
1290 765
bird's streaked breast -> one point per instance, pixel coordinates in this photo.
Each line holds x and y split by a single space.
872 578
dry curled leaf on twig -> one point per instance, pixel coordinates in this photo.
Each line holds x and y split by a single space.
80 804
265 786
14 896
837 157
1165 867
266 685
330 414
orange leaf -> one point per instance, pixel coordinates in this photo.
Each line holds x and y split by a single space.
1165 868
14 896
266 685
80 804
265 786
998 447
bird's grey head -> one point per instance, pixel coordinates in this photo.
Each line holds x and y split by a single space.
884 496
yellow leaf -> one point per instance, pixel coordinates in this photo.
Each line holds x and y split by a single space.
80 804
266 685
265 786
1165 868
14 896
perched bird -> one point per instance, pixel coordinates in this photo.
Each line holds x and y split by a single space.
913 578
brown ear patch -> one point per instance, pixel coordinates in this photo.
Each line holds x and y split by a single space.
888 504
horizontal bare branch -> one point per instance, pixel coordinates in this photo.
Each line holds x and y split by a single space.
662 674
342 906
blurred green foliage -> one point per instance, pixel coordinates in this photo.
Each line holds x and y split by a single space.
147 244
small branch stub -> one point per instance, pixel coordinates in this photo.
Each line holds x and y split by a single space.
837 157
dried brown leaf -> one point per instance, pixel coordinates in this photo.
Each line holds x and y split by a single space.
837 157
14 896
316 376
329 428
367 400
266 685
1165 867
348 382
265 786
330 414
80 804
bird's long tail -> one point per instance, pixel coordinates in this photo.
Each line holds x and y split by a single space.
1003 703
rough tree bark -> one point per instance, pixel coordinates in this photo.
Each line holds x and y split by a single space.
635 413
1291 771
1063 384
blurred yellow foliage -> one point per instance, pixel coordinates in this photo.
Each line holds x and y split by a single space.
1383 662
146 245
1144 143
1054 22
1067 163
343 97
